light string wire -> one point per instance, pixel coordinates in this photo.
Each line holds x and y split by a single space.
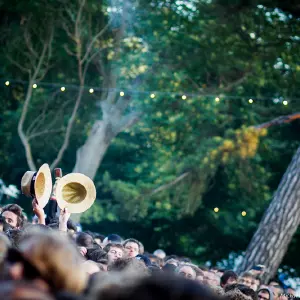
153 94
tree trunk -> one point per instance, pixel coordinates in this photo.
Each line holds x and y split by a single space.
90 155
278 225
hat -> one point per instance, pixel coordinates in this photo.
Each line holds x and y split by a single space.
76 192
38 184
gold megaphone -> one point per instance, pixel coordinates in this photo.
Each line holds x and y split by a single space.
76 192
38 184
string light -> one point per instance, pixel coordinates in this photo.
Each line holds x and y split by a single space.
216 209
91 91
34 85
244 213
155 93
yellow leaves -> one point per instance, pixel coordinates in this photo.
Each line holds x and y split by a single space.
263 132
228 145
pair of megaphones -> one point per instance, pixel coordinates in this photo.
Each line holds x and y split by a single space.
75 191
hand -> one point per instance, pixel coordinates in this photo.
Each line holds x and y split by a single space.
38 211
63 219
82 250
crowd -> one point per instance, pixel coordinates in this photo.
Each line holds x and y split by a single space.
47 258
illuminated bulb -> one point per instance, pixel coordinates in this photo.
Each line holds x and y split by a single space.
91 91
183 97
285 102
7 83
152 96
122 94
62 88
250 101
216 209
244 213
34 85
217 99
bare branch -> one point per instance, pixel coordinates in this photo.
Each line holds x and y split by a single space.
127 122
69 51
69 129
89 61
29 43
25 70
22 136
95 38
44 132
68 32
280 120
167 185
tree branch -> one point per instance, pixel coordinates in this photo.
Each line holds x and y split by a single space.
277 121
21 133
90 46
69 129
34 135
280 120
127 122
168 185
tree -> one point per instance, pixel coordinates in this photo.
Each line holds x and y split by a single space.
278 225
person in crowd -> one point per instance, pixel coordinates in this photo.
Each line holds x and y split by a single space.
247 279
5 244
160 253
240 291
211 278
90 267
131 247
20 290
277 291
84 240
154 259
112 238
99 238
265 294
158 287
130 265
229 277
96 255
256 283
47 259
186 271
13 215
290 291
114 251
